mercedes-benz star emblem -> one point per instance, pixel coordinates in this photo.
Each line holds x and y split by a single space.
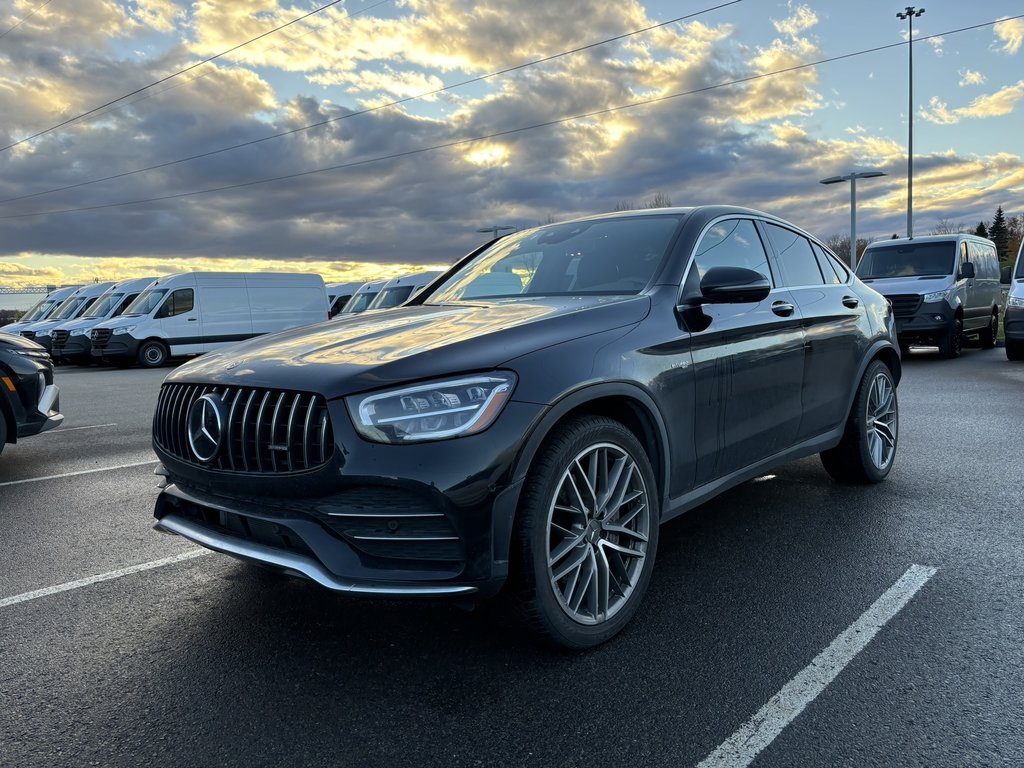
205 427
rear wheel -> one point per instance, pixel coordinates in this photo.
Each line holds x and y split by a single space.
1014 350
868 448
952 344
587 534
152 354
987 338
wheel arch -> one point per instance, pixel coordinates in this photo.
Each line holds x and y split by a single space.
881 350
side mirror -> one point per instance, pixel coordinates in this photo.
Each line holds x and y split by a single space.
732 285
967 271
1004 275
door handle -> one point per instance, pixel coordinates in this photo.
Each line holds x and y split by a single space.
191 319
783 308
851 301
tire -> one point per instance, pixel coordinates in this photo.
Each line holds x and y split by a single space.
904 349
3 431
1014 350
866 452
572 582
987 338
152 354
952 344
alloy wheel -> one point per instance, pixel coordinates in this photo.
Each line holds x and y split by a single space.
598 526
882 421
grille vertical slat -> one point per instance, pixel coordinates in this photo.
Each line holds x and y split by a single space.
259 425
324 424
291 424
244 425
310 410
273 431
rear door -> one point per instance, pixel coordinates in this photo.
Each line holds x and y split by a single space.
834 321
986 280
748 361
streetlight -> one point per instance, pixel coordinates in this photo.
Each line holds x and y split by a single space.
910 14
496 229
852 178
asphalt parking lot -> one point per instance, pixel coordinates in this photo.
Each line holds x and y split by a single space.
201 660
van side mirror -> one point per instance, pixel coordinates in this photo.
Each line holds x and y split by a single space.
967 271
1004 275
731 285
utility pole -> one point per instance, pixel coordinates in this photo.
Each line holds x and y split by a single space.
852 178
495 229
910 14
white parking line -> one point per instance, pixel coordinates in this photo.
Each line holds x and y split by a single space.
24 597
79 472
61 430
758 732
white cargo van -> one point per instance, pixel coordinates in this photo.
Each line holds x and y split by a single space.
70 340
338 294
361 299
195 312
399 290
41 310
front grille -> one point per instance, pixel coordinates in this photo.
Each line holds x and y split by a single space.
393 523
60 338
264 430
905 304
100 337
29 334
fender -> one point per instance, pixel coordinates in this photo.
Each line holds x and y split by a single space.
872 352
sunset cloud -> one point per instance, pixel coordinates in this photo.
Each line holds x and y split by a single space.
1011 34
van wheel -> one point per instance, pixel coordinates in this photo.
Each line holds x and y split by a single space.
152 354
868 448
952 344
987 337
1014 350
586 535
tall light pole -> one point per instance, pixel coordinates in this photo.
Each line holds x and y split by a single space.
496 229
910 14
852 177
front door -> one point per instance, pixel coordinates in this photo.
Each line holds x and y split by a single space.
180 322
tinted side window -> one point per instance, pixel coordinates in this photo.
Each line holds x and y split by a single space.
832 270
799 267
732 243
182 300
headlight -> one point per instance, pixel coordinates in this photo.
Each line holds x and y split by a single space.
78 332
1015 301
123 330
435 411
35 354
936 296
43 334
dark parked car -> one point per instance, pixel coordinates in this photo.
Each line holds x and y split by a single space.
29 400
525 424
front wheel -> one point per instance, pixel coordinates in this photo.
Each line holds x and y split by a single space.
987 338
952 344
152 354
587 534
868 447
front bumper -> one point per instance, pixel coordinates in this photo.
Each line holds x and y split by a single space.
74 348
928 324
35 409
1013 323
121 346
432 519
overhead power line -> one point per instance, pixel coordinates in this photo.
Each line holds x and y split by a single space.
397 102
25 18
175 74
507 132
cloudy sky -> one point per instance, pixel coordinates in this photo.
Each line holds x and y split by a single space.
412 182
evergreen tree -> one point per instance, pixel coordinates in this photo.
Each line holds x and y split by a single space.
1000 235
981 230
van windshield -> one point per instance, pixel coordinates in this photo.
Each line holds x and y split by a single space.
146 303
102 307
1020 269
908 260
360 301
68 309
37 310
391 297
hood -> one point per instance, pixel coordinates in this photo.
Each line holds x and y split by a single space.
41 325
82 322
121 321
8 341
369 351
14 328
890 286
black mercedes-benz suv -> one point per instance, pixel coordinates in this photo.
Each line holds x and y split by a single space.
29 400
525 424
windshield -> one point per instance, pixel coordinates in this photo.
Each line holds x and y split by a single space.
146 303
37 310
604 257
391 297
908 260
360 302
68 309
1020 269
102 307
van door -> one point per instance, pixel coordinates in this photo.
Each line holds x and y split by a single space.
178 319
226 317
986 278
